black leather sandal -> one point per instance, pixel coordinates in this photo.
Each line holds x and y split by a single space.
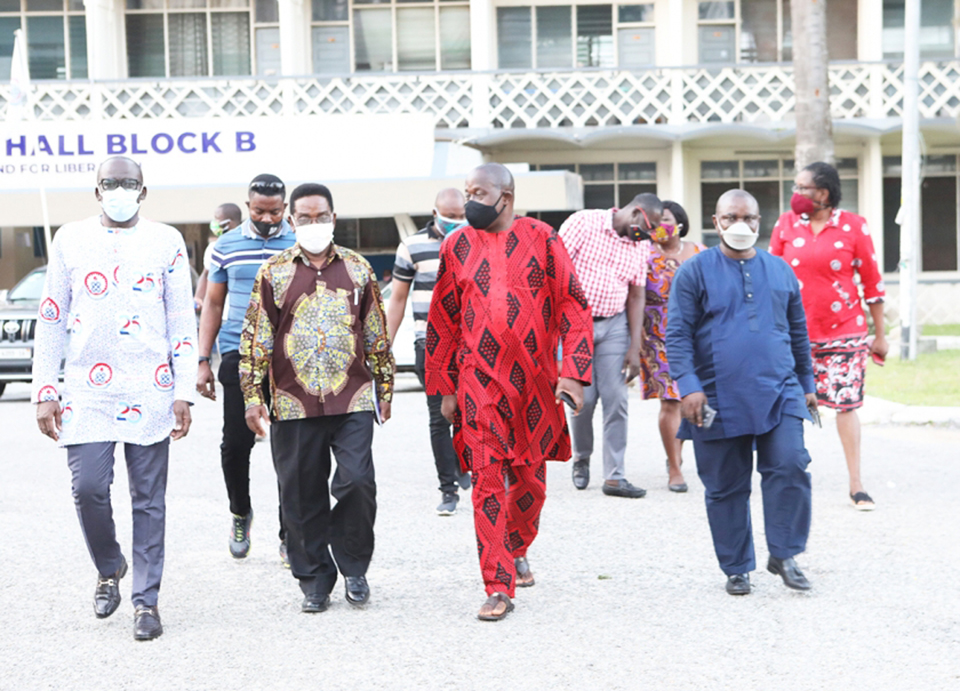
493 601
523 571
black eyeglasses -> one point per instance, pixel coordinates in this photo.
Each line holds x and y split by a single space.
308 220
749 219
110 184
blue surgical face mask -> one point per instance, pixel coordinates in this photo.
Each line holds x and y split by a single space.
447 225
121 204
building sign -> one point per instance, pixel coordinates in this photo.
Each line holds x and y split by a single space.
217 151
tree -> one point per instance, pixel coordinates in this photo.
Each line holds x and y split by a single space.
811 82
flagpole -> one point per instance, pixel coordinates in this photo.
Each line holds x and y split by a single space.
21 109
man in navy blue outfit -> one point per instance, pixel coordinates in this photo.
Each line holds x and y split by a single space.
737 344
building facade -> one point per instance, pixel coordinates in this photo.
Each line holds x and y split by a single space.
684 98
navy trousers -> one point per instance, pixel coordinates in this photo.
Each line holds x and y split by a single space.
725 467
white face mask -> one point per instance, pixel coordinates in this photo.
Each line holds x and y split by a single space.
120 205
316 237
739 236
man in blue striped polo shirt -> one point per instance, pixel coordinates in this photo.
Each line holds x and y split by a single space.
418 259
236 258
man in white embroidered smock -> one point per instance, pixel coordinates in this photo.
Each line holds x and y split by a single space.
118 308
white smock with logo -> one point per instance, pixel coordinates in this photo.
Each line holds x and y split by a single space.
117 306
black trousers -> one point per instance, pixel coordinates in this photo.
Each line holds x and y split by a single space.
441 434
238 440
301 454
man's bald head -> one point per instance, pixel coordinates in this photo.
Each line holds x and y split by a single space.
736 198
496 174
449 203
229 212
119 167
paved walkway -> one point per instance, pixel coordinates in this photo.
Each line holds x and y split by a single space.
628 592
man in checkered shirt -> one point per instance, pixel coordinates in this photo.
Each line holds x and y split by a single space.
609 250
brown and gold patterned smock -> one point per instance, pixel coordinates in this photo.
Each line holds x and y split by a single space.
321 335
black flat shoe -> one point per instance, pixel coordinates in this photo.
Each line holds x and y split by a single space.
623 488
788 570
680 487
738 584
146 623
581 473
314 604
358 592
106 598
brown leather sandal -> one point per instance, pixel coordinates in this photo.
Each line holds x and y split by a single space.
493 601
524 574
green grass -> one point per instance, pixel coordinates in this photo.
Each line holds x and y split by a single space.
940 330
932 379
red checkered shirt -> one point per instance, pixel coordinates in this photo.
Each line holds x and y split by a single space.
607 264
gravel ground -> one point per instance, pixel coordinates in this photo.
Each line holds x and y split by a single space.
628 592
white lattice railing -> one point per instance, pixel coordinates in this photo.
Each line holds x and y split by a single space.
575 98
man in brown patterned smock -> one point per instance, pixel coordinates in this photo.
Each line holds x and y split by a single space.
316 323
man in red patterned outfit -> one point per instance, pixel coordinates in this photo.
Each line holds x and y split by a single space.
506 293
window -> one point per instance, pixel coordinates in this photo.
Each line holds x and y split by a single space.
56 35
390 36
770 180
939 229
936 29
266 35
605 185
198 38
565 36
732 31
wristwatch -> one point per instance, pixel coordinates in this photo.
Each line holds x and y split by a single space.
204 358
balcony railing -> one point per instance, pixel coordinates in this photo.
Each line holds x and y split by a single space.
576 98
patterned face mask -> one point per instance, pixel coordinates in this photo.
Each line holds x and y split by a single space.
663 232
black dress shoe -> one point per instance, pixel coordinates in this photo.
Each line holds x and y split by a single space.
788 570
106 598
146 623
623 488
358 592
314 604
738 584
581 473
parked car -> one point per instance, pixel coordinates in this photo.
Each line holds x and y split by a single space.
18 321
403 350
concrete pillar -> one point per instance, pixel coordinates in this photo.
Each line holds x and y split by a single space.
871 192
671 48
869 31
483 36
295 49
106 39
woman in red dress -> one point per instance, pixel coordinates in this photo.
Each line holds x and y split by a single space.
829 249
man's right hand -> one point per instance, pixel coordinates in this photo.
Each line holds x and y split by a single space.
48 419
206 385
691 407
448 408
258 419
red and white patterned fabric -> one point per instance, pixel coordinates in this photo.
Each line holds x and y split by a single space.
825 265
606 264
838 368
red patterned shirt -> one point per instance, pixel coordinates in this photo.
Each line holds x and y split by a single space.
606 264
825 265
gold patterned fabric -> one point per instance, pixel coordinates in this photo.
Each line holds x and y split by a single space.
320 336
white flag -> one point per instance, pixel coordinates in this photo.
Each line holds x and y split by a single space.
19 106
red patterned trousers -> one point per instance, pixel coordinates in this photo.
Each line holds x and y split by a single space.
506 512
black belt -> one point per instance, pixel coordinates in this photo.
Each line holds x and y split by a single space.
600 319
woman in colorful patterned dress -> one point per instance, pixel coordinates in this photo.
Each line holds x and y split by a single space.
668 252
827 247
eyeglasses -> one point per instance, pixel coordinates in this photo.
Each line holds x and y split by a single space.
307 220
804 188
749 219
110 184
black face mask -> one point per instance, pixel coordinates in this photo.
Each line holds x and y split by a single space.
265 229
482 216
638 234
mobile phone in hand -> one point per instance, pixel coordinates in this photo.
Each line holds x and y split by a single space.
568 399
877 359
708 414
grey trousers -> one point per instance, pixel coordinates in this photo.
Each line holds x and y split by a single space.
91 466
611 339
